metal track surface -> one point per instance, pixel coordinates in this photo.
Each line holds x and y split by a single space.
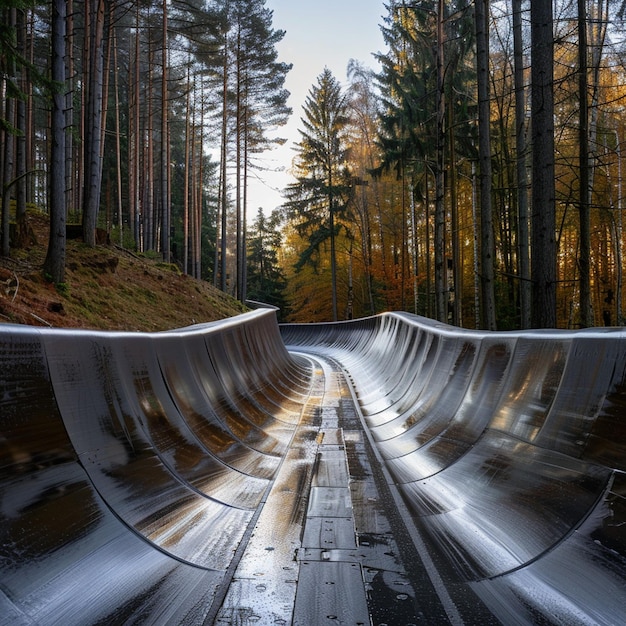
386 471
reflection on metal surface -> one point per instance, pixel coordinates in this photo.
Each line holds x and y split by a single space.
508 450
389 470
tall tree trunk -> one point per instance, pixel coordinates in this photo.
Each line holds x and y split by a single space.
239 167
165 145
414 248
457 268
9 144
72 197
20 152
194 207
619 231
199 195
134 143
238 171
522 179
403 243
3 130
106 80
198 203
476 268
188 174
368 256
30 116
427 244
543 223
441 305
223 176
597 31
584 266
148 204
54 264
487 247
198 187
118 150
244 221
382 238
95 10
81 169
331 224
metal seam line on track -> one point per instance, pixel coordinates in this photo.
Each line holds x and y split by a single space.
219 598
441 593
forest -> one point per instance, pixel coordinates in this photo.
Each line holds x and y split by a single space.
474 178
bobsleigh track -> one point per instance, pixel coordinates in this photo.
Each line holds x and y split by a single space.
384 471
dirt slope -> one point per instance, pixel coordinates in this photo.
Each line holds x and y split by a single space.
105 288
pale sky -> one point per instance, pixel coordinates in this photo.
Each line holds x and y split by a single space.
319 34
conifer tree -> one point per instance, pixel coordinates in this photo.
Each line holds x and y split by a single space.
427 81
321 192
266 282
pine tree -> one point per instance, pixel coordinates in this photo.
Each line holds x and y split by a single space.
266 282
322 190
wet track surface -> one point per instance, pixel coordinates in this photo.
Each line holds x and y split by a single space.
383 471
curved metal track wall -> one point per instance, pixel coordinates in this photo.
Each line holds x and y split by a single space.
133 468
132 464
509 450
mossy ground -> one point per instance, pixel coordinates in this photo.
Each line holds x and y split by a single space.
105 288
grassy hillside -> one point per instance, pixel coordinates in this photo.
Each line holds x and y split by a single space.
105 288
